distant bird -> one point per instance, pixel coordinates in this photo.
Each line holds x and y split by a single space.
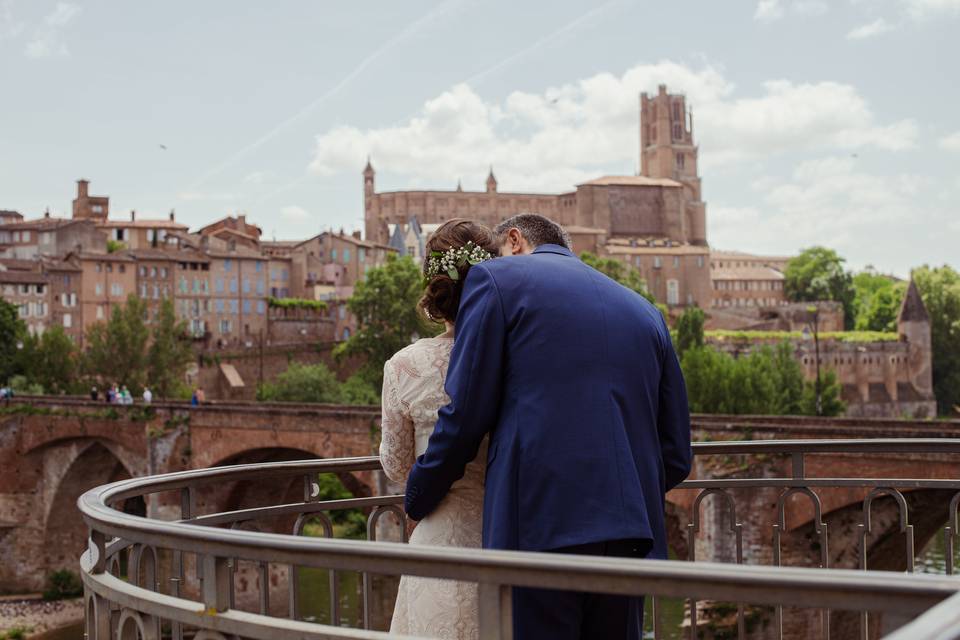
164 147
554 101
853 155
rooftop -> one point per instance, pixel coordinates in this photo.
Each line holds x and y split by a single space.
632 181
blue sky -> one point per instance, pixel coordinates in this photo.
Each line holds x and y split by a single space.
819 122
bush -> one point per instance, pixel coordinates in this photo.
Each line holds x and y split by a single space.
63 584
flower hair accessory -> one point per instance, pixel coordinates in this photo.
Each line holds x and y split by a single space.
448 262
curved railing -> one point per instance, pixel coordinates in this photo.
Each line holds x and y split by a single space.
746 504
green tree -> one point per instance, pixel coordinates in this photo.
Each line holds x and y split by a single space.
830 399
690 330
877 300
818 274
940 289
12 331
356 390
117 350
51 361
302 383
788 380
765 381
385 305
169 353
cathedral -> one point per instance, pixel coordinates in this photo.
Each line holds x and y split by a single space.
655 221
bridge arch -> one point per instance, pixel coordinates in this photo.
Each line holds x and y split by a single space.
87 464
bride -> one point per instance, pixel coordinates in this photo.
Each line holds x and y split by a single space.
413 381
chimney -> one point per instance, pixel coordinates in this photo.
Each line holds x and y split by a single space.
171 215
356 234
133 215
82 185
242 219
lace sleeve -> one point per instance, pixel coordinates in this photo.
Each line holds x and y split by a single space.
397 442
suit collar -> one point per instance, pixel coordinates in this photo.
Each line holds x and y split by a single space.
553 248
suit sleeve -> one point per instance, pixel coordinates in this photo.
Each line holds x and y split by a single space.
673 420
474 386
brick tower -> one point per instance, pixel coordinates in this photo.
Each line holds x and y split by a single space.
667 150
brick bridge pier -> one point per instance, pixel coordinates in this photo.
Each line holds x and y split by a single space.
54 449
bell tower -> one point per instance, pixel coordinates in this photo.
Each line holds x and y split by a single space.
667 150
372 231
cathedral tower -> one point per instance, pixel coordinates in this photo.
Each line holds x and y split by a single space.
369 217
667 150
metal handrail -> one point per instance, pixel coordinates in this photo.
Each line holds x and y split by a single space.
495 571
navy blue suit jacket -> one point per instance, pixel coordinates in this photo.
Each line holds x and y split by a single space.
575 379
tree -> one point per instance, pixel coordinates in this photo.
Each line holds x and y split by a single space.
765 381
316 383
940 290
12 331
51 361
117 350
831 403
302 383
690 330
169 353
877 300
818 274
385 305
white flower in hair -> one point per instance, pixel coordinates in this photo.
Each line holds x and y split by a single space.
448 262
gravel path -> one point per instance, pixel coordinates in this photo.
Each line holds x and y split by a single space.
38 615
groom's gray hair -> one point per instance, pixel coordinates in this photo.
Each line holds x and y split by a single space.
536 229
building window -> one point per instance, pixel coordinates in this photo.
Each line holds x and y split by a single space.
67 321
116 289
218 285
676 261
673 292
346 333
259 266
224 326
346 256
261 307
234 306
260 287
657 262
362 254
143 271
342 312
98 289
679 161
24 310
700 261
246 286
227 265
97 208
99 312
218 305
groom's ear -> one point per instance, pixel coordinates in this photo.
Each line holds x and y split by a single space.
513 243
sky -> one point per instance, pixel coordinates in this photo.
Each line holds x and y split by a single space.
819 122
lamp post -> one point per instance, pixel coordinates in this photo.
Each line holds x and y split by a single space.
814 311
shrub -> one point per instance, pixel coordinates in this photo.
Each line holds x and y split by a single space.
63 584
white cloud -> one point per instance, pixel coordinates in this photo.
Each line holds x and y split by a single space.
871 29
567 134
772 10
47 41
951 142
257 177
9 26
829 201
293 212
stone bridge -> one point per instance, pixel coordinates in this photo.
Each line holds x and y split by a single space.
54 449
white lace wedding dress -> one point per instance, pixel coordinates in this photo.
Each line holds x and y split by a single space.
412 395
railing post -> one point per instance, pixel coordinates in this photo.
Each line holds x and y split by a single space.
496 614
216 583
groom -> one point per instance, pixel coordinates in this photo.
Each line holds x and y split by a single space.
576 381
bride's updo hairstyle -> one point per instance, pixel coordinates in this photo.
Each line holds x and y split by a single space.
441 297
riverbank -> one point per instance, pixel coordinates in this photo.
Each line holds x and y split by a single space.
38 616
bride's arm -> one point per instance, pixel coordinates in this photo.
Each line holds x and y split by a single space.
397 444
